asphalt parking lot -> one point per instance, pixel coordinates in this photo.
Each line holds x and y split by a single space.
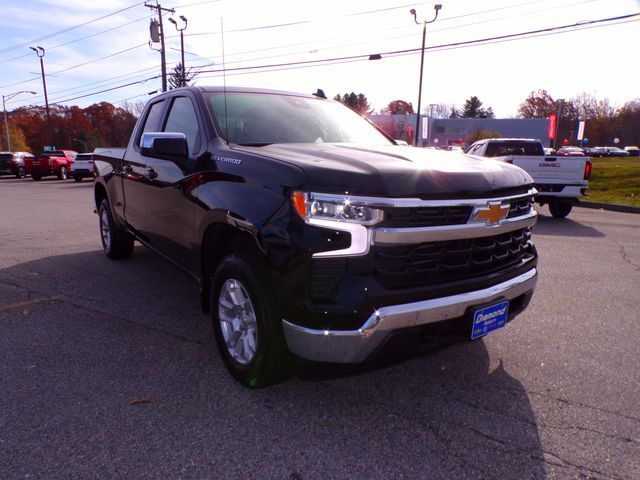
109 370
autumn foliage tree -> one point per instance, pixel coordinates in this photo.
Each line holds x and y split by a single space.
401 107
99 125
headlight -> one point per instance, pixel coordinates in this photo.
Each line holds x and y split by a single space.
334 207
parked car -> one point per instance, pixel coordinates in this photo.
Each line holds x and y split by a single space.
633 151
82 167
50 162
549 151
570 152
12 163
609 152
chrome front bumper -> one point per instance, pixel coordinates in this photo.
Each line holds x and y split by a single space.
354 346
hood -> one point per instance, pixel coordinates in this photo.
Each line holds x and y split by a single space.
395 171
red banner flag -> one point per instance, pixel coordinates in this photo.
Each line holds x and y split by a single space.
553 124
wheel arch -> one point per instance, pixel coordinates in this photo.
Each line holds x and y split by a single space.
219 240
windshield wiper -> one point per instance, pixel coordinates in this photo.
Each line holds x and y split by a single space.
254 144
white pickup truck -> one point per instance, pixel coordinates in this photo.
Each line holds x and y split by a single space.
560 180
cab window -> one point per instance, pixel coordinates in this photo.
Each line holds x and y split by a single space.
152 120
182 118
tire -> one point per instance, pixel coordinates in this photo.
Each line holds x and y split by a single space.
63 174
20 173
77 179
247 329
560 209
116 243
36 177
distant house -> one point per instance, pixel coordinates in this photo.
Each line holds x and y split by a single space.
450 131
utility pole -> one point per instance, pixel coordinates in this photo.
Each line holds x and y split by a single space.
40 53
163 61
437 8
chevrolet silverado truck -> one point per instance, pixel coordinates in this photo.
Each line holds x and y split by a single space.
311 234
50 162
560 180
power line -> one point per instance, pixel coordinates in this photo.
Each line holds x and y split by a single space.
36 40
270 26
345 59
414 50
78 39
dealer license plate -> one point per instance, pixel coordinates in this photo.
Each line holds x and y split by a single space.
489 318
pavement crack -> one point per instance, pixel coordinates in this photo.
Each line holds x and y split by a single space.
572 403
138 324
626 258
590 430
447 449
18 305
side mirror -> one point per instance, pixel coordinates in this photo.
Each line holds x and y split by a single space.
165 145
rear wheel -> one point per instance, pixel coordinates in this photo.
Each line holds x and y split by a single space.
560 209
62 174
20 173
247 329
116 243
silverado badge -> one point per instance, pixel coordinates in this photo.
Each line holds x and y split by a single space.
491 214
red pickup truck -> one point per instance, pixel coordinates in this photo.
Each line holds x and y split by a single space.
51 162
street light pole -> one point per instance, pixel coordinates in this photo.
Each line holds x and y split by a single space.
40 53
437 8
4 107
183 80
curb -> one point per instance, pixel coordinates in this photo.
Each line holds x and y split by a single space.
608 206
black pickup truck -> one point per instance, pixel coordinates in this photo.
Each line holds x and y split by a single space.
311 233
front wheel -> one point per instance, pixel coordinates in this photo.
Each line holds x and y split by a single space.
116 243
62 174
247 329
20 173
560 209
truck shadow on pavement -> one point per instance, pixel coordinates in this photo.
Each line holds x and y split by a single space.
111 367
564 227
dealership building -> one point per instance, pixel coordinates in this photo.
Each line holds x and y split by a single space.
453 131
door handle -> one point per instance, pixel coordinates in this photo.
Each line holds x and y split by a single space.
151 173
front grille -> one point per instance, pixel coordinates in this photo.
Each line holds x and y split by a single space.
426 216
403 217
407 266
520 206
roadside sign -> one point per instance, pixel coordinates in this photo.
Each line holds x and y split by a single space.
580 130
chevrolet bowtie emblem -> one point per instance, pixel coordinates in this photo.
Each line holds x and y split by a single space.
491 214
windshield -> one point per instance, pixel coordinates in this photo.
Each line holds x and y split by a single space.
265 118
515 147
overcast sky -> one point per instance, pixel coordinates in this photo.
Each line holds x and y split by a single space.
91 48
